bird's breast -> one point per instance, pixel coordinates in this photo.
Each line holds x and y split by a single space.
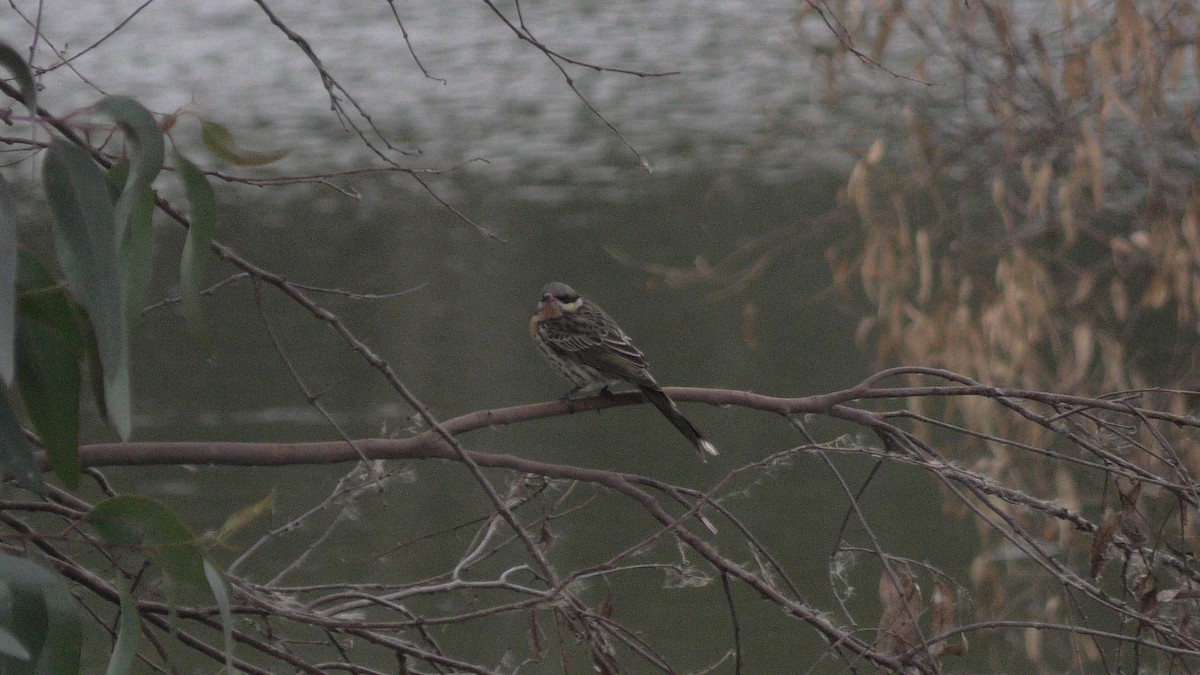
544 312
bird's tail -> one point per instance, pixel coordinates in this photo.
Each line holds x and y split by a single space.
669 410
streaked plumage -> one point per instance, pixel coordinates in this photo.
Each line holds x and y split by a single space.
591 351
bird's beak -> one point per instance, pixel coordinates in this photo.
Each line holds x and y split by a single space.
549 308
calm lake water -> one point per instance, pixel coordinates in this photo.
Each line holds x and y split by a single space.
740 144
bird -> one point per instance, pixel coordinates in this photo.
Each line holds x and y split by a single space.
591 351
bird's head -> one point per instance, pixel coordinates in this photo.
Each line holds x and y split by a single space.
558 299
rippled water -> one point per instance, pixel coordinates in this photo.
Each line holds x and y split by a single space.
740 66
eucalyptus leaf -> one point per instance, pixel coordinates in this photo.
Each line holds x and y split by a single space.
137 256
136 253
11 647
86 241
42 615
150 526
64 637
220 142
241 519
220 591
194 260
42 298
129 637
8 283
48 376
49 350
16 453
146 139
30 623
11 60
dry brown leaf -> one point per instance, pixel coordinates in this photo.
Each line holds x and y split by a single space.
1129 493
1158 291
1066 213
1093 151
749 332
1112 357
1033 644
1075 80
1120 299
606 608
841 269
883 31
856 190
1083 288
1039 190
999 198
1084 343
1027 169
988 587
925 266
875 152
1039 48
1147 591
863 331
943 618
1101 540
535 641
1189 228
902 606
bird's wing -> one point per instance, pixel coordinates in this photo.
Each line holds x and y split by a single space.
590 336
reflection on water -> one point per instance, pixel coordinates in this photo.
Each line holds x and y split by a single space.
297 416
738 63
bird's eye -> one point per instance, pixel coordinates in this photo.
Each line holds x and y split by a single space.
565 299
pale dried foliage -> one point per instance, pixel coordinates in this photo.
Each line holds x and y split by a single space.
1045 238
1022 240
1027 215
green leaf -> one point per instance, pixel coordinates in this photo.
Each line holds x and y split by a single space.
216 581
48 376
220 142
144 136
27 618
147 524
8 279
129 636
136 251
116 177
10 646
42 615
10 59
240 519
44 299
137 256
64 637
87 249
129 187
195 250
16 453
48 353
91 356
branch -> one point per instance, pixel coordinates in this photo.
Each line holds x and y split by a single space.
431 444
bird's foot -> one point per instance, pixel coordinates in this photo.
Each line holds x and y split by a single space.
566 399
